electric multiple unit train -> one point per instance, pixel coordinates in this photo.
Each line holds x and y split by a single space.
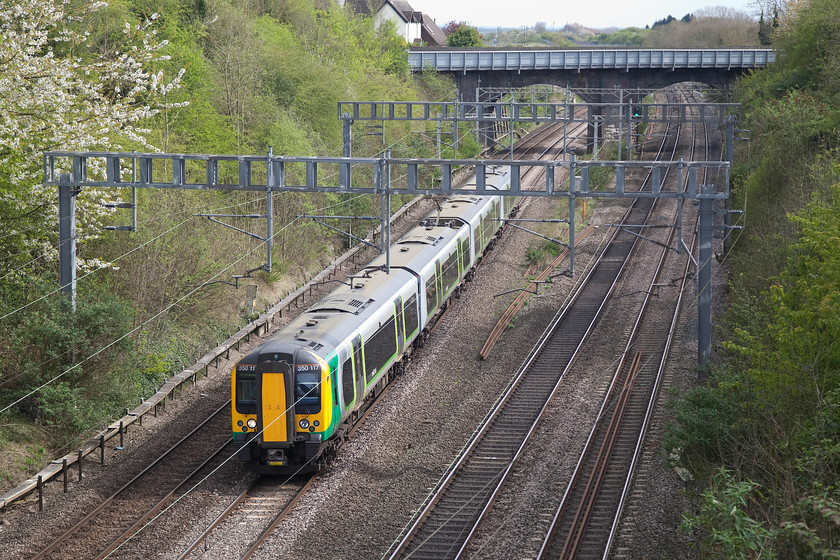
295 396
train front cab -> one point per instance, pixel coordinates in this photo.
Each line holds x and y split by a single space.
281 409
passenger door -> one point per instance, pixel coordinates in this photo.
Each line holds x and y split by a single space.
358 368
276 418
398 311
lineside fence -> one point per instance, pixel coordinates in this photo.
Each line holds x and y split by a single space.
61 468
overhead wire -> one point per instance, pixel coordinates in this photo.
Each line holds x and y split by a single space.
512 514
80 343
135 249
158 314
129 252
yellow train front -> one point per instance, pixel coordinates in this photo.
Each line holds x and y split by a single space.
282 410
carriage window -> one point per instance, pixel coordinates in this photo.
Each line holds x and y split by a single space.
410 316
246 389
347 382
450 272
380 348
307 388
465 252
431 294
487 222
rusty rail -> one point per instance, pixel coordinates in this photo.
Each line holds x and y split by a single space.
523 296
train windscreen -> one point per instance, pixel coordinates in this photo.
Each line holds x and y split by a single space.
307 388
246 389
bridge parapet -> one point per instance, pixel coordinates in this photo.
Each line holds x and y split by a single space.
477 60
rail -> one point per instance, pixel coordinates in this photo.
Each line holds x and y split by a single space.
118 428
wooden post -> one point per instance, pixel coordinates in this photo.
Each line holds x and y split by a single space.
40 493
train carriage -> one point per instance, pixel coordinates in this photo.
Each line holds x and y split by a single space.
295 396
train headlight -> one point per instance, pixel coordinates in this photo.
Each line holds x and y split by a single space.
304 423
252 423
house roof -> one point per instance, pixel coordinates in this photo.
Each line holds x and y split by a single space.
403 8
431 33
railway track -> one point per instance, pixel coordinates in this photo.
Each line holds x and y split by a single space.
120 515
259 508
585 522
453 511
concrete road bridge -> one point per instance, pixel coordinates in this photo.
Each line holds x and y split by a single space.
592 73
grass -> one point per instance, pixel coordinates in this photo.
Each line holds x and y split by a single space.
25 451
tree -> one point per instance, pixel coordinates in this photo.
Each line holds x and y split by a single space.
462 35
56 94
765 31
664 21
232 45
451 27
708 27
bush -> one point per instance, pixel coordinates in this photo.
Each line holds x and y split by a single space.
728 531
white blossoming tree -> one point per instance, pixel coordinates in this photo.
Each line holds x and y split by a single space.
55 94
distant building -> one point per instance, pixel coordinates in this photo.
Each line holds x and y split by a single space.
413 26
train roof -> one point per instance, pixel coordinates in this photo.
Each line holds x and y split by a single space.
495 177
339 314
417 248
460 207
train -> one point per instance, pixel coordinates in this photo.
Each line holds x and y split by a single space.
295 397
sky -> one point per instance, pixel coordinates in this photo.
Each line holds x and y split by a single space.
597 14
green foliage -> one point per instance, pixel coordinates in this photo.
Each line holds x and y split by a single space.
770 412
535 253
732 533
464 36
51 342
808 49
66 410
436 86
631 36
815 535
709 423
468 146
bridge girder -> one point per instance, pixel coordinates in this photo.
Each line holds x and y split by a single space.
469 82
